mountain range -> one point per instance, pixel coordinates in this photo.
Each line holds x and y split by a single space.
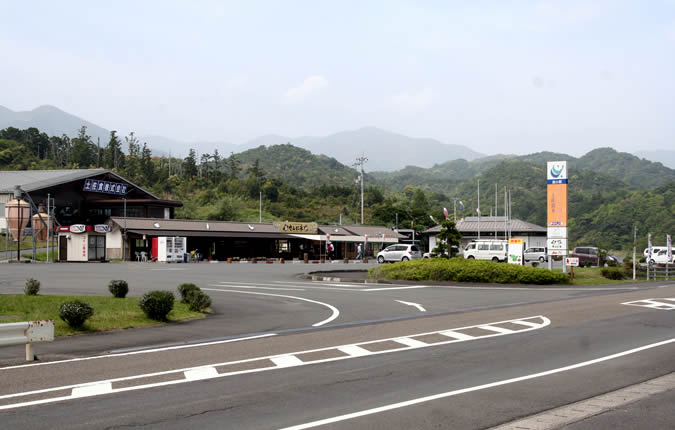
386 151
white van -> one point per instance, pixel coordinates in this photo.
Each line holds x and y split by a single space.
495 250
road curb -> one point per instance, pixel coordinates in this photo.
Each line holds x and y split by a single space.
317 276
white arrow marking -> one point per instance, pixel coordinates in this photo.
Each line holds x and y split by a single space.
417 305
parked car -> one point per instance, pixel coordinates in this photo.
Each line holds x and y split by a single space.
661 257
655 250
587 255
535 254
399 252
495 250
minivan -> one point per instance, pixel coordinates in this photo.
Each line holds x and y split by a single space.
399 252
587 255
495 250
535 254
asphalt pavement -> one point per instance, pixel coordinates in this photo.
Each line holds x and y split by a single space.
282 351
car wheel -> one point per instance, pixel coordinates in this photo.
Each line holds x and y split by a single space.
495 260
380 259
651 262
470 257
542 259
405 259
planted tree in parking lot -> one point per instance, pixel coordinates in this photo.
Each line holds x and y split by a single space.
448 238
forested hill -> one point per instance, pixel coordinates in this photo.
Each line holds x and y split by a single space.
298 167
621 166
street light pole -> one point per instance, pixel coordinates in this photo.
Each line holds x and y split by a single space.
124 236
634 240
359 162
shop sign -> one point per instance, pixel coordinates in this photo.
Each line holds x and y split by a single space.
297 227
572 261
78 228
96 186
102 228
64 228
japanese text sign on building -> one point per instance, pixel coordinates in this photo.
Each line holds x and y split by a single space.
297 227
97 186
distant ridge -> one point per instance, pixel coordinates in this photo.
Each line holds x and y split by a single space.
51 120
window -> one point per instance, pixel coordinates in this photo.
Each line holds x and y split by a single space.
471 246
496 247
414 248
483 247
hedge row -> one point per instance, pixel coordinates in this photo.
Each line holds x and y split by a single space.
465 270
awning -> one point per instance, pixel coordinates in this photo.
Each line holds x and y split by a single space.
210 234
354 239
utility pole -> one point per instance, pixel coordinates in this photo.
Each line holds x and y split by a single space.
634 241
478 209
359 162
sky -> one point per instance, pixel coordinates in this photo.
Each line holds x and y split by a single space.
498 76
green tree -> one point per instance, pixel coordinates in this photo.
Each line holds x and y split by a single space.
81 152
113 156
190 165
448 237
234 165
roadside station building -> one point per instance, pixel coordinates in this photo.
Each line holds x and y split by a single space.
220 240
494 228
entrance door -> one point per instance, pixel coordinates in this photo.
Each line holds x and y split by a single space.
96 248
63 248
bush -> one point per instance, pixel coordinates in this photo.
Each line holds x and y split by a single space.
75 313
157 304
32 287
199 301
119 288
612 273
459 269
186 290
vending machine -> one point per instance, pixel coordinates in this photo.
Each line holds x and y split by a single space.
169 249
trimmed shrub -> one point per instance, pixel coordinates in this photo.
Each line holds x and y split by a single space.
157 304
612 273
32 287
199 301
75 313
118 288
459 269
186 290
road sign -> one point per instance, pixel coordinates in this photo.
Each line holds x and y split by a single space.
572 261
556 232
556 246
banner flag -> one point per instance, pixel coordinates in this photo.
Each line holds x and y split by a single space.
445 212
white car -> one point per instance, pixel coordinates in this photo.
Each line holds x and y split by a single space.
495 250
655 250
661 257
399 252
535 254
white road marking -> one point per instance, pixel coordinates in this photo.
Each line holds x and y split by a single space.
334 315
454 334
352 350
92 389
411 342
145 351
417 305
476 388
258 288
166 270
200 373
287 361
661 304
496 329
527 323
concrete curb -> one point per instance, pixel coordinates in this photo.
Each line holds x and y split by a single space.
316 276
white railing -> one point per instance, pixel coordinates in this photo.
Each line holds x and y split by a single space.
27 333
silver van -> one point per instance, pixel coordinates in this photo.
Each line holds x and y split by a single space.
535 254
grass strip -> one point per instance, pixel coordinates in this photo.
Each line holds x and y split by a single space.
110 313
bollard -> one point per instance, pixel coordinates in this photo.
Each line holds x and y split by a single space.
346 260
365 260
281 261
254 260
229 260
306 257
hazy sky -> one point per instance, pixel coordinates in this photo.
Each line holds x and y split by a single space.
498 76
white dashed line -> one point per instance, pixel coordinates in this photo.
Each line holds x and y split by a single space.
200 373
354 351
455 335
414 343
287 361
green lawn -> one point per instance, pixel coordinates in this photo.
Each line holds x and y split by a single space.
593 276
26 243
109 313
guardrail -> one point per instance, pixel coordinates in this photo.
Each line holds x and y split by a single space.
27 333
